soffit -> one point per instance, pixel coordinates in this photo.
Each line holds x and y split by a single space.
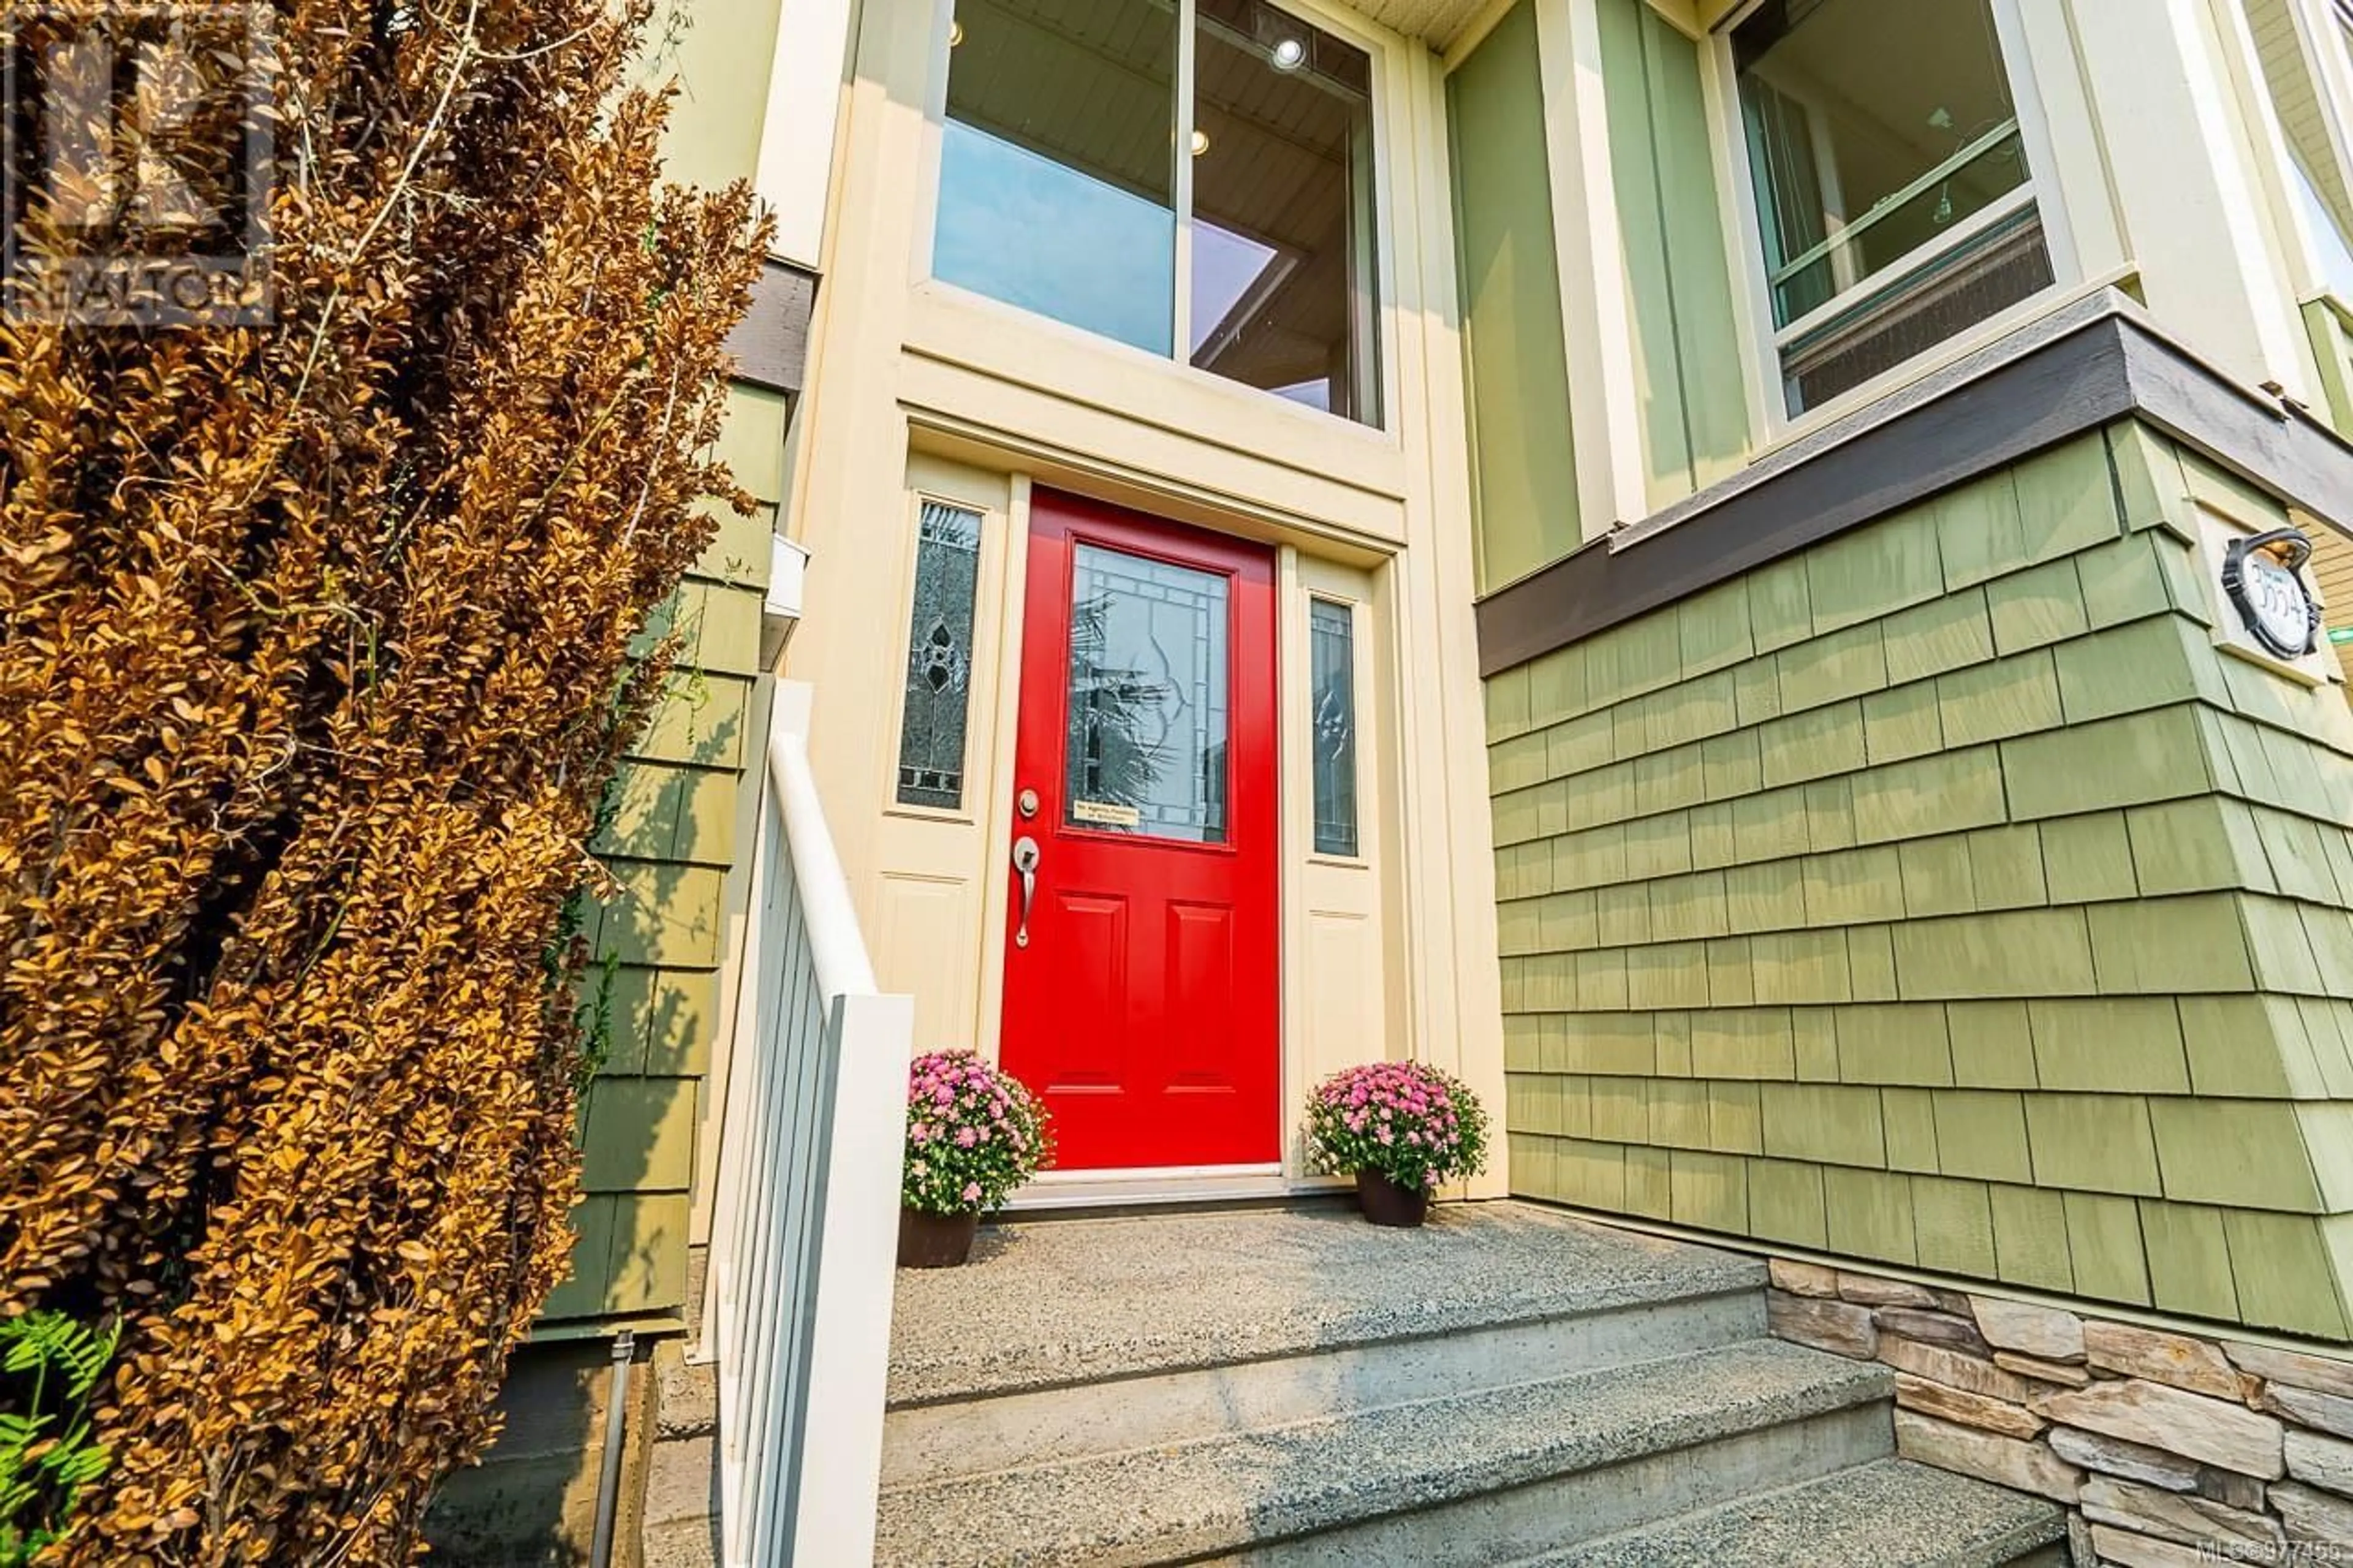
1437 23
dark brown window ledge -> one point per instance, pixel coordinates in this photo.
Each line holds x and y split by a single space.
2077 370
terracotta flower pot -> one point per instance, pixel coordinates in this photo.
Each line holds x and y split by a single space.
1386 1203
935 1241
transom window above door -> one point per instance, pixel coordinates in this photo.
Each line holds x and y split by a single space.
1234 222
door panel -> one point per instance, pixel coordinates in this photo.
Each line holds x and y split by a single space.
1092 933
1201 970
1142 1003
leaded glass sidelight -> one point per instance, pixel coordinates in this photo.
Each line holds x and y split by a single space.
937 705
1332 673
1145 750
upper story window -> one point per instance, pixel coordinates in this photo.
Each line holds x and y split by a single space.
1894 201
1063 190
2297 85
2331 242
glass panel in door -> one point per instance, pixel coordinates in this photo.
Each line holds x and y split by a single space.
1146 738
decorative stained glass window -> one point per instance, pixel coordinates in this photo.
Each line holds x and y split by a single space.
1332 675
939 659
1147 748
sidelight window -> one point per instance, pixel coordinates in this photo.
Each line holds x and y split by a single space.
1331 675
1232 223
936 707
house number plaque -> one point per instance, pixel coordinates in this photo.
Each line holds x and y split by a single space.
2263 578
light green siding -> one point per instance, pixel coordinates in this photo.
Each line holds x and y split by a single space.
671 844
721 52
2331 331
1960 897
1694 408
1523 459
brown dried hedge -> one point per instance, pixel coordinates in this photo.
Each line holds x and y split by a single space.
314 658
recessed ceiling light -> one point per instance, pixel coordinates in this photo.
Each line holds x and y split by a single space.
1289 54
1200 143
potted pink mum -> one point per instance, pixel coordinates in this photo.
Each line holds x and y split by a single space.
1401 1127
974 1134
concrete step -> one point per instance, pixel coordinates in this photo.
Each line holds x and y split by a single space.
1043 1425
1471 1478
1049 1304
680 1543
680 1508
686 1394
1889 1514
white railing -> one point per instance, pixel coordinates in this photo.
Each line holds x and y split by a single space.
805 1226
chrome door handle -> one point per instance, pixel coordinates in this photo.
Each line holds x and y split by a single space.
1025 860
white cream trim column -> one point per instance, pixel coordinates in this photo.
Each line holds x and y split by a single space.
1605 404
2192 204
1450 946
853 470
794 173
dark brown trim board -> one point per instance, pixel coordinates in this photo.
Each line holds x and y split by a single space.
771 343
2085 368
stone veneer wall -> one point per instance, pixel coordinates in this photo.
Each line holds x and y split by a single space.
2172 1450
1941 896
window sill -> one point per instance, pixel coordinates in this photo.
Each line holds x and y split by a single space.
2092 364
1008 347
2008 336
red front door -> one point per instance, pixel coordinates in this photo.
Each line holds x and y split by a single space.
1140 992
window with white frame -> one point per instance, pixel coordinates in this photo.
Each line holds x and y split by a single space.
1895 204
2296 81
1062 189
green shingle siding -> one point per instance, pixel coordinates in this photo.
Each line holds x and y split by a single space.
671 845
1942 897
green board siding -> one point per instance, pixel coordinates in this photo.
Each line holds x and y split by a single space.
1523 460
1941 896
1694 408
2331 331
720 53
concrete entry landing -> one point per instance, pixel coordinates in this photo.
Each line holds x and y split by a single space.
1510 1385
1073 1300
